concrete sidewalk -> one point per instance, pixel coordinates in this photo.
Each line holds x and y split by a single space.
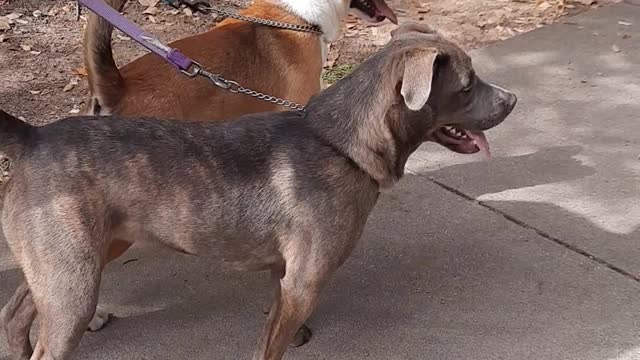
440 275
568 160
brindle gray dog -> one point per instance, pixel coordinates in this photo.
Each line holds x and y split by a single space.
286 192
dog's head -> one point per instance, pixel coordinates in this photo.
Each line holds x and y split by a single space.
438 77
419 88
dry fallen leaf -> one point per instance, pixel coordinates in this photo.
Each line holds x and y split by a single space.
75 110
22 22
148 3
34 52
35 92
153 19
13 16
625 23
187 11
332 58
615 48
544 6
72 83
4 24
25 47
151 10
80 71
122 37
37 13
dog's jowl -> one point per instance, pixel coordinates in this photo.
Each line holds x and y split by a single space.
286 192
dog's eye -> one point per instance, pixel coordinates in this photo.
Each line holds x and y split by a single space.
469 85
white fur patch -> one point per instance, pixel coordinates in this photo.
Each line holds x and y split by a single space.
100 319
327 14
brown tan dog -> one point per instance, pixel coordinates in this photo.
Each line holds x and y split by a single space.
287 192
277 62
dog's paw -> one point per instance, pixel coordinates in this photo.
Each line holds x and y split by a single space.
100 319
302 336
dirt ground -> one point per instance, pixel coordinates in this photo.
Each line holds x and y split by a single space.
42 78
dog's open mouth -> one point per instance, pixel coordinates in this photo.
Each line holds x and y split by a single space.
462 141
375 10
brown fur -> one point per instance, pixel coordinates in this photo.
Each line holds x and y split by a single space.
287 192
277 62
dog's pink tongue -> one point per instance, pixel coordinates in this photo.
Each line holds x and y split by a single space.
383 9
482 143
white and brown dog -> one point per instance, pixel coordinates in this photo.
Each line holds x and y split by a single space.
277 62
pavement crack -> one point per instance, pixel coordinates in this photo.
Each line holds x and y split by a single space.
538 231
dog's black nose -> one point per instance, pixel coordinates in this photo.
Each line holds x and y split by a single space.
512 100
508 99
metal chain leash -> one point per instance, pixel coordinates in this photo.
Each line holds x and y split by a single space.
313 29
235 87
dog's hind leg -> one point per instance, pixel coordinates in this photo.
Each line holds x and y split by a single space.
66 300
19 313
16 318
63 270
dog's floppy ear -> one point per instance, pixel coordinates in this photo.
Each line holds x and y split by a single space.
413 26
418 76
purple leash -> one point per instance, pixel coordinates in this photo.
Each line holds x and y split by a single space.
171 55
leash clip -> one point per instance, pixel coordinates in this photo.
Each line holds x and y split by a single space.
194 70
219 81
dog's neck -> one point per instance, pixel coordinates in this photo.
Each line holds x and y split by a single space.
327 14
364 117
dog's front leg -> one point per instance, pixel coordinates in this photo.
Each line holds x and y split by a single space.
296 297
304 333
101 316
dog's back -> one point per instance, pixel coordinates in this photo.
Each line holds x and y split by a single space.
167 174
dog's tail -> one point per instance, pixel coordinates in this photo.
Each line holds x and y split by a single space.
13 135
105 82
